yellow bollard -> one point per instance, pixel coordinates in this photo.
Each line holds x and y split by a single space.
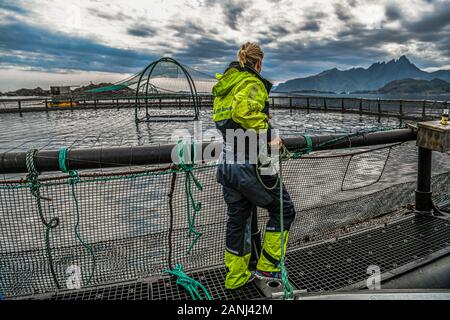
444 118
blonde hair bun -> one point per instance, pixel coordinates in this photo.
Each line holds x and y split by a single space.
250 53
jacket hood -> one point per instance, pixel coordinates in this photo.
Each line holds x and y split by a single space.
232 76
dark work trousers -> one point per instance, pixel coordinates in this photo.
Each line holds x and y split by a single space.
243 193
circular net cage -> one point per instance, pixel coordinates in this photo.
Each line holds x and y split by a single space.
166 90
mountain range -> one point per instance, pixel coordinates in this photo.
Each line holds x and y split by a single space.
360 79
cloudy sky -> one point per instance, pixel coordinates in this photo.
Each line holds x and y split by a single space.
45 42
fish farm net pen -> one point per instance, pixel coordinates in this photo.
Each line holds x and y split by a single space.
122 226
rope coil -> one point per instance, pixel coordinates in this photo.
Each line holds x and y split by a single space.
191 285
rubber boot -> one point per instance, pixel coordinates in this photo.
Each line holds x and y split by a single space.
238 273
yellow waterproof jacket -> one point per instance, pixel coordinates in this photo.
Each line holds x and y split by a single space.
241 95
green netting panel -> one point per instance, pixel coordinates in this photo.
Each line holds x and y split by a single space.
109 88
160 78
136 223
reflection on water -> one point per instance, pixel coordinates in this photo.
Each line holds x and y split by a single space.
95 128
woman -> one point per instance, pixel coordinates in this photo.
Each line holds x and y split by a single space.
241 103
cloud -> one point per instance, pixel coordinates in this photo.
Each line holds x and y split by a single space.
298 37
119 16
311 26
435 21
342 12
49 50
393 12
188 28
15 8
233 11
208 48
140 30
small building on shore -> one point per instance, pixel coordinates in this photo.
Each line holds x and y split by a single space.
60 90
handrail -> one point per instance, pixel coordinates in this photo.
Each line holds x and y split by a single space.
169 96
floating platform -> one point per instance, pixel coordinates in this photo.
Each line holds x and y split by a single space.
334 265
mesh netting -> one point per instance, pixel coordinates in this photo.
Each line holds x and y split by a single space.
170 79
136 223
165 76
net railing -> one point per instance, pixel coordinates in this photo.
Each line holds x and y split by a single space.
167 101
123 226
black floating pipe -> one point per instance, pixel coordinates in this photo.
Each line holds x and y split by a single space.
96 158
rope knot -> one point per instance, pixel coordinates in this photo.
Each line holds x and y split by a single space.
190 284
74 177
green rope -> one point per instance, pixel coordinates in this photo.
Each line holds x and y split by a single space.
184 280
62 156
74 178
309 148
34 184
285 155
187 168
287 288
191 285
309 143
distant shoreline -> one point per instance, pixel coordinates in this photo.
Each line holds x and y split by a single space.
434 97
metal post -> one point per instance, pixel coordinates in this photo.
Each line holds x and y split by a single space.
20 107
379 107
401 108
342 105
325 104
445 105
273 102
95 103
423 109
360 106
423 192
147 115
46 104
307 104
290 105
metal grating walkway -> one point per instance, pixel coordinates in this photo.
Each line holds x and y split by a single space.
334 265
